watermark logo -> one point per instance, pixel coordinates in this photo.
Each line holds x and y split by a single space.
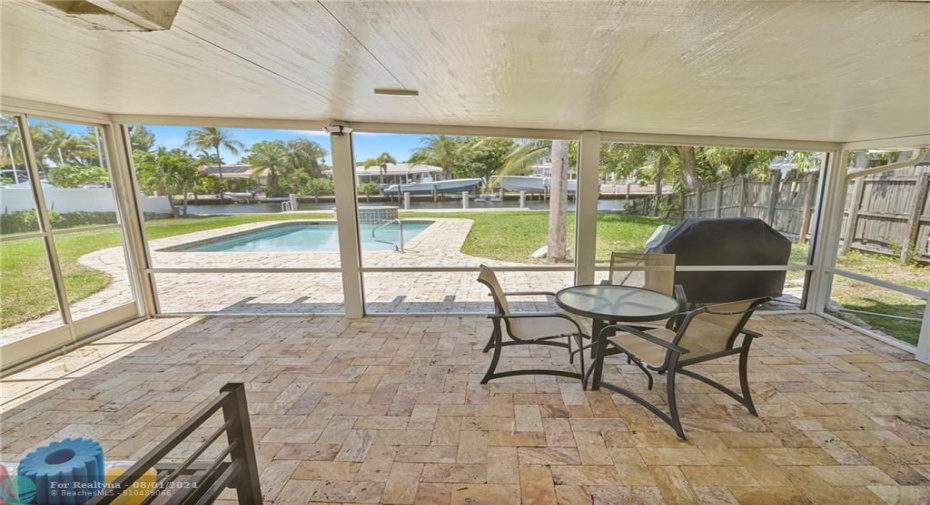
18 490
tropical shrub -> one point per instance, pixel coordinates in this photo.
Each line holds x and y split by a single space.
75 176
318 187
368 189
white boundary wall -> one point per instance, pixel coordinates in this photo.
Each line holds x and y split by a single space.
64 201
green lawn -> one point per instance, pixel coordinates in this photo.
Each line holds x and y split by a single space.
26 291
513 236
857 295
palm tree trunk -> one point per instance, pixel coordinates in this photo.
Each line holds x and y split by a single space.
558 201
219 166
689 178
659 168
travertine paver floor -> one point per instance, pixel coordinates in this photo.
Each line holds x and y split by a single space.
390 410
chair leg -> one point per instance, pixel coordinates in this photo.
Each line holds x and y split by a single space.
744 380
498 342
578 338
673 403
639 363
490 344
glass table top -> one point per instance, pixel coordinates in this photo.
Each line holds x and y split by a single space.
616 303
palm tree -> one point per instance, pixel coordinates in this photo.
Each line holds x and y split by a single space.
305 163
528 153
61 146
558 202
271 155
141 138
382 162
168 172
214 138
441 150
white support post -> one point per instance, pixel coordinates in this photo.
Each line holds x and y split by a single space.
131 217
464 199
347 223
829 219
589 161
523 199
923 339
406 200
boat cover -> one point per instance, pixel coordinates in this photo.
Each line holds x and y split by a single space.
728 241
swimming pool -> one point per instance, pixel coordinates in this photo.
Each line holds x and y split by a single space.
305 236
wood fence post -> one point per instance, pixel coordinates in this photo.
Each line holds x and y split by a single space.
858 190
697 200
808 206
773 198
719 201
742 196
913 223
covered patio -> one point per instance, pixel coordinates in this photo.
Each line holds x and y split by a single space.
390 410
366 407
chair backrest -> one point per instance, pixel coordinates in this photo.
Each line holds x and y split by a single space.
714 328
658 270
487 277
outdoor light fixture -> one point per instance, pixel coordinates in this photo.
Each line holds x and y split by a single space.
396 92
338 128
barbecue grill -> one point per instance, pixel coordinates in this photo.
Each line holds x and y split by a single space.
728 241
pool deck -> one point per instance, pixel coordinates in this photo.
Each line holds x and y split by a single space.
304 293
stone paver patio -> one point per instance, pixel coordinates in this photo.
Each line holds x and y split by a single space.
311 293
390 410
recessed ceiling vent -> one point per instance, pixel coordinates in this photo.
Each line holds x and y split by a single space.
119 15
396 92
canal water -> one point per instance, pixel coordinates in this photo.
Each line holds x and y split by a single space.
448 204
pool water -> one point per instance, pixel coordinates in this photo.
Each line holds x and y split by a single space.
304 237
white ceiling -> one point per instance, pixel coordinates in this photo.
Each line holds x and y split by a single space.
828 71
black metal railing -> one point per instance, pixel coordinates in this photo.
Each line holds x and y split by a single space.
193 481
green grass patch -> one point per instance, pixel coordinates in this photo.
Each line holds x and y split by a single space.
860 296
514 236
26 284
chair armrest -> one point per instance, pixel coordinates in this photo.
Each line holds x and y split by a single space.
750 333
528 293
531 315
645 336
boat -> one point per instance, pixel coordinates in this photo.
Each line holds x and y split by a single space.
533 184
239 196
528 183
427 186
485 198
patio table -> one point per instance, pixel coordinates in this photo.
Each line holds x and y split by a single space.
609 304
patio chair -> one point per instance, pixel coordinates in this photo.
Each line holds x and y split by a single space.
701 335
527 328
658 273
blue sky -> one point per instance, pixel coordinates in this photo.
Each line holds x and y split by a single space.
367 145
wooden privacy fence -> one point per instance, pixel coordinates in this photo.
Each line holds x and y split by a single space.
884 213
889 214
